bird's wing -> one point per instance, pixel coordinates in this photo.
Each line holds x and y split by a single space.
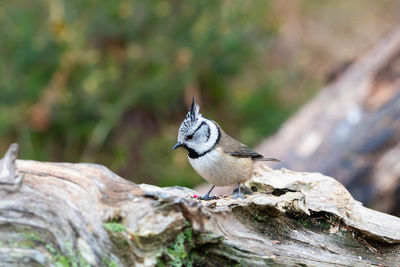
237 149
244 152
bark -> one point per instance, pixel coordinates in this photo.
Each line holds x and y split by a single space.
63 214
351 129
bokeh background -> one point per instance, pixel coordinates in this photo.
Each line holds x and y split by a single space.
110 81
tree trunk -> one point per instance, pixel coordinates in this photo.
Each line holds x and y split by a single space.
351 129
62 214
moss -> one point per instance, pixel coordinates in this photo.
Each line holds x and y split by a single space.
180 252
62 261
187 247
24 240
115 227
31 237
318 221
208 238
83 262
188 233
260 217
122 244
159 263
25 244
325 225
34 237
177 252
109 263
116 219
50 248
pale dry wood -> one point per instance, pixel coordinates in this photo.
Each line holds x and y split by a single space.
59 213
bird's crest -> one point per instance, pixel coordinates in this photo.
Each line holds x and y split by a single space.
192 116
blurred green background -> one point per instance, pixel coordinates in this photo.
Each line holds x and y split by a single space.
110 81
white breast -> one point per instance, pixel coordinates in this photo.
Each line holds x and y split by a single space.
221 169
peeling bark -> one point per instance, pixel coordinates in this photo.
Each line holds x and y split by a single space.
85 215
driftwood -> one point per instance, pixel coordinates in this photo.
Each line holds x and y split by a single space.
62 214
351 129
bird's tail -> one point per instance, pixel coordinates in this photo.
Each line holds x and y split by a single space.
269 159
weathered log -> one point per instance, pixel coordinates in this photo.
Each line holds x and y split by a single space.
85 215
351 129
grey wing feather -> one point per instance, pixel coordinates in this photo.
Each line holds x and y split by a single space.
245 152
237 149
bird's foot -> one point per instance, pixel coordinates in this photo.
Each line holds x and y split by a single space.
239 193
240 197
207 197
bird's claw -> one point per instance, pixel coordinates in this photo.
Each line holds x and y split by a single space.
207 197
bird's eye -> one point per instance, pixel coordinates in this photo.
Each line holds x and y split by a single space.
189 137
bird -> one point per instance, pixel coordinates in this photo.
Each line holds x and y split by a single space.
217 157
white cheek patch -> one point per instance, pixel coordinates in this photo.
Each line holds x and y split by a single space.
202 134
209 136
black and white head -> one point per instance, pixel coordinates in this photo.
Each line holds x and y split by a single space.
197 134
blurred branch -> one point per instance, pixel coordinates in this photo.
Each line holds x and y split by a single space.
351 129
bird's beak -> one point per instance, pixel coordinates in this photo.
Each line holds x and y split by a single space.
177 145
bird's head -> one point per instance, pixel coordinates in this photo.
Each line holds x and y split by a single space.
197 133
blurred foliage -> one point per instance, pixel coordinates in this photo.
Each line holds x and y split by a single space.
110 81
